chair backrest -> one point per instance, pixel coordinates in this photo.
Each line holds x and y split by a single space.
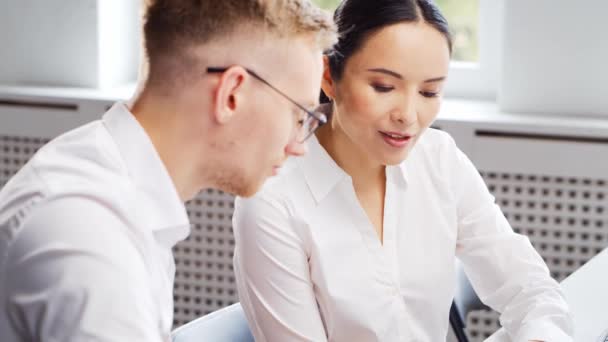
465 300
225 325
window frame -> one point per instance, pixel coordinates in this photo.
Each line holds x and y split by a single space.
479 80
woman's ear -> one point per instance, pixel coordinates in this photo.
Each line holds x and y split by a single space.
327 83
228 93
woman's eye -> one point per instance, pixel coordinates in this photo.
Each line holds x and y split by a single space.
429 94
382 88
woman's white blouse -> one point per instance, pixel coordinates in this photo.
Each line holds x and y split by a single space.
310 266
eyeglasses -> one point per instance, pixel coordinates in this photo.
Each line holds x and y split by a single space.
307 126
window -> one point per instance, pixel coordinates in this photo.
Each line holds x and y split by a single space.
476 26
327 4
463 17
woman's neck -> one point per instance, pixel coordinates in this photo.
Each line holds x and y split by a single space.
356 163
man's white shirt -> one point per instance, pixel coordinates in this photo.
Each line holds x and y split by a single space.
86 231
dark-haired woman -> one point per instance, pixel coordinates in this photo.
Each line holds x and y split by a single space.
357 240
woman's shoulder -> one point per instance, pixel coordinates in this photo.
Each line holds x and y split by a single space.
434 148
435 140
278 191
284 184
435 156
275 209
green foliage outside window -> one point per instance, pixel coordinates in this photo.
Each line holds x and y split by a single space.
463 17
327 4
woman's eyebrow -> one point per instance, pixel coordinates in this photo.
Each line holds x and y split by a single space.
399 76
436 79
386 71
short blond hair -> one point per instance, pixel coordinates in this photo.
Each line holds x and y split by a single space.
173 27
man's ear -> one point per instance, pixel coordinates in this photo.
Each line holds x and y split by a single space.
228 93
327 83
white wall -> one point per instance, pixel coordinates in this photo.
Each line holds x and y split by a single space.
555 57
80 43
48 42
544 56
119 41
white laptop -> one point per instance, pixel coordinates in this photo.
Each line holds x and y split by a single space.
586 291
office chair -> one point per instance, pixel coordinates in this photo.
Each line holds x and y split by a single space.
225 325
465 300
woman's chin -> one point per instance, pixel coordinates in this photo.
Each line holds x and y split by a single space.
396 159
391 161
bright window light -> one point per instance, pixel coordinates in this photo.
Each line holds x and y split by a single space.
463 17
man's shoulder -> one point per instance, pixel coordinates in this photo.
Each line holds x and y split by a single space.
81 163
70 217
72 227
83 157
72 164
78 259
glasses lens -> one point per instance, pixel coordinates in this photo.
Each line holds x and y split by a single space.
310 125
304 128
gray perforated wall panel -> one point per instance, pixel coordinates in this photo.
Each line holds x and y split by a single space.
14 152
204 280
564 217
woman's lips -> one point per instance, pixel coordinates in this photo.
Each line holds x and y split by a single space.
397 140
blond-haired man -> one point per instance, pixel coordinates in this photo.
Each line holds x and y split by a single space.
87 226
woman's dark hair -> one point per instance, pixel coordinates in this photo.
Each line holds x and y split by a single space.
357 19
